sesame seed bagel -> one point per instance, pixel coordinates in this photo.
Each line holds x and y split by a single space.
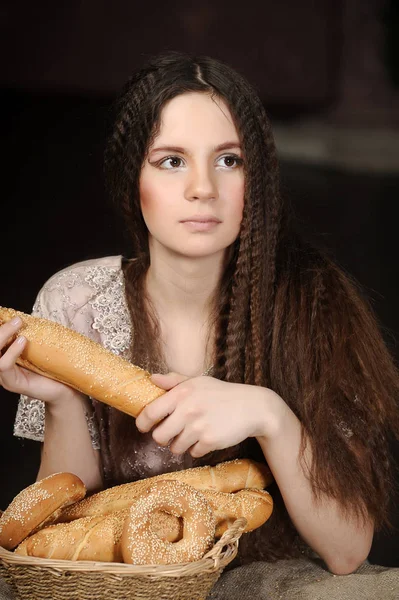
141 545
34 504
69 357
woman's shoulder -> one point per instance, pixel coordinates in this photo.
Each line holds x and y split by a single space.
85 295
95 273
105 264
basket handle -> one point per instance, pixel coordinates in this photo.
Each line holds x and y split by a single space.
231 535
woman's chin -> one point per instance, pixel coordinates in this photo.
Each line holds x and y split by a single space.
198 253
190 249
202 248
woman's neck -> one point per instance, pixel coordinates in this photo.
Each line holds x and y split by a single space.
182 286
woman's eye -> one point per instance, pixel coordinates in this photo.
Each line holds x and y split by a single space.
171 162
230 161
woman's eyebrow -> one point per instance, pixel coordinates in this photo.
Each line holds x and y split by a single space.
180 150
227 146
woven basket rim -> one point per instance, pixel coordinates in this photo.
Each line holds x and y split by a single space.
220 555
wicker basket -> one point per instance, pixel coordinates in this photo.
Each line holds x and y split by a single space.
41 579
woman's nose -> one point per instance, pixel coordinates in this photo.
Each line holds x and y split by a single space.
201 185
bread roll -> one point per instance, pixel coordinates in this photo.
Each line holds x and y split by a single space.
33 505
91 538
62 354
228 476
254 505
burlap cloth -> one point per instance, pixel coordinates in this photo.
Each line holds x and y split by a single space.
305 579
299 579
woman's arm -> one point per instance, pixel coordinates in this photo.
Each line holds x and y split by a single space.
341 540
67 443
204 414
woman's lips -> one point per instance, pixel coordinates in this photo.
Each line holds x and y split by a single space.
206 225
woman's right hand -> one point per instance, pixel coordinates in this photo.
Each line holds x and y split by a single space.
22 381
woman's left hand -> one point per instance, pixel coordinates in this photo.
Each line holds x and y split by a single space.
203 414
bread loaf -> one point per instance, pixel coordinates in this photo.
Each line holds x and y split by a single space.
62 354
33 505
91 538
255 506
228 476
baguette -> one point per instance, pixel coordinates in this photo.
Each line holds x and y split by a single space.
34 505
69 357
254 505
91 538
228 476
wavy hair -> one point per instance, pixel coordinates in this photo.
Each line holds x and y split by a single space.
285 316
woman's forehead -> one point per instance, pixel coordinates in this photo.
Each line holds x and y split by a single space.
196 115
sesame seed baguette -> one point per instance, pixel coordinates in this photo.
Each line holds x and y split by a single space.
34 504
255 506
90 538
69 357
228 476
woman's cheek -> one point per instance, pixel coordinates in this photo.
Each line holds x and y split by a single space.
150 203
238 202
146 208
146 195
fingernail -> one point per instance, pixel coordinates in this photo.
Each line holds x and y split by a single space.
21 340
16 321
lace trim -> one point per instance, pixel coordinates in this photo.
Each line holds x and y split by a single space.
30 419
93 430
104 312
113 320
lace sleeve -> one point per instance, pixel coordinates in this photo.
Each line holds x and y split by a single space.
29 421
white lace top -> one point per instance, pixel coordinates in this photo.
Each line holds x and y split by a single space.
89 298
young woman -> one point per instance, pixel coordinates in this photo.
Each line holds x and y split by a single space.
265 346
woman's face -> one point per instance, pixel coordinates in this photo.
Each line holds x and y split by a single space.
192 181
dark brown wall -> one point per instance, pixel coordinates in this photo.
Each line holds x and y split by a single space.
288 49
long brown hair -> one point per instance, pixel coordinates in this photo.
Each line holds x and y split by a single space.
285 315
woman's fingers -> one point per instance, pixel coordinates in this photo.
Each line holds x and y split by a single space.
13 351
171 427
183 441
154 412
11 376
198 450
7 361
8 330
168 381
163 406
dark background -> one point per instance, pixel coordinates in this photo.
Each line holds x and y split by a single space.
333 64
